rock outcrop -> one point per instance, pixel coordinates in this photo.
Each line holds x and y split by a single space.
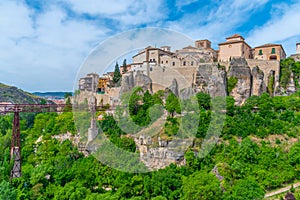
186 93
211 79
240 70
140 79
174 87
258 84
157 153
291 87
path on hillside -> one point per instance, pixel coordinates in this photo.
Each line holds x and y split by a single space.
281 190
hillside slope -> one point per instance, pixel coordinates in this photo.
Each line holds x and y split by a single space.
14 95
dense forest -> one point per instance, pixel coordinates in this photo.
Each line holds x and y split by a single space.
258 151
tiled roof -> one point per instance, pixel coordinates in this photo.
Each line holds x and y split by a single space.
268 45
235 36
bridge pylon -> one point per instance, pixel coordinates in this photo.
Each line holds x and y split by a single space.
15 151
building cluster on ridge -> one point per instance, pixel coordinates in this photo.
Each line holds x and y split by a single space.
202 52
192 56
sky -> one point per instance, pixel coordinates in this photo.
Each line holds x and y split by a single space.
44 43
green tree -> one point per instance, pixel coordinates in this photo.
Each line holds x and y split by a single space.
173 104
7 192
201 185
117 75
203 100
294 154
68 94
246 189
43 101
68 107
124 66
231 83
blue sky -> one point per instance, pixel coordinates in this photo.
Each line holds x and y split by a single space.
43 43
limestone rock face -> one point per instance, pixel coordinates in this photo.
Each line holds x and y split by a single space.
242 90
127 83
291 88
174 87
159 155
238 62
209 79
258 84
186 93
140 79
143 81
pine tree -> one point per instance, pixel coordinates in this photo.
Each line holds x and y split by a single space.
124 66
117 74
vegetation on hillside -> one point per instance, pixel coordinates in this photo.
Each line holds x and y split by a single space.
287 67
14 95
258 151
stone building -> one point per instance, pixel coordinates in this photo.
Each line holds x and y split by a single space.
269 52
163 57
89 83
235 46
103 84
297 55
122 69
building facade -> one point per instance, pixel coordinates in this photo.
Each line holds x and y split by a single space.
89 83
235 46
269 52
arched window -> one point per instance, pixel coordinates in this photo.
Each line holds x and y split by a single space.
184 63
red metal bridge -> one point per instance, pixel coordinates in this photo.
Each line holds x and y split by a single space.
15 151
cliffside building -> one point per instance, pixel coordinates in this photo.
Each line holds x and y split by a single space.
103 83
235 46
297 55
269 52
163 57
89 83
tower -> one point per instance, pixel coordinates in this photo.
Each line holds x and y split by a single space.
93 130
298 48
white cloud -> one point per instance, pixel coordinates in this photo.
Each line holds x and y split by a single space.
283 25
47 56
215 24
129 12
181 3
100 7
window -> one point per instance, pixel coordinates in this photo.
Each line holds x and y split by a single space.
184 63
150 69
192 63
162 62
166 61
260 52
273 50
173 63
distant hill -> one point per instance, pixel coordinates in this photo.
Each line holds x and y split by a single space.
51 95
14 95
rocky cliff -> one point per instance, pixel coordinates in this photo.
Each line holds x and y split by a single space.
129 81
211 79
242 90
157 153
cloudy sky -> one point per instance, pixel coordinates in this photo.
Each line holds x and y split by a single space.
44 43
